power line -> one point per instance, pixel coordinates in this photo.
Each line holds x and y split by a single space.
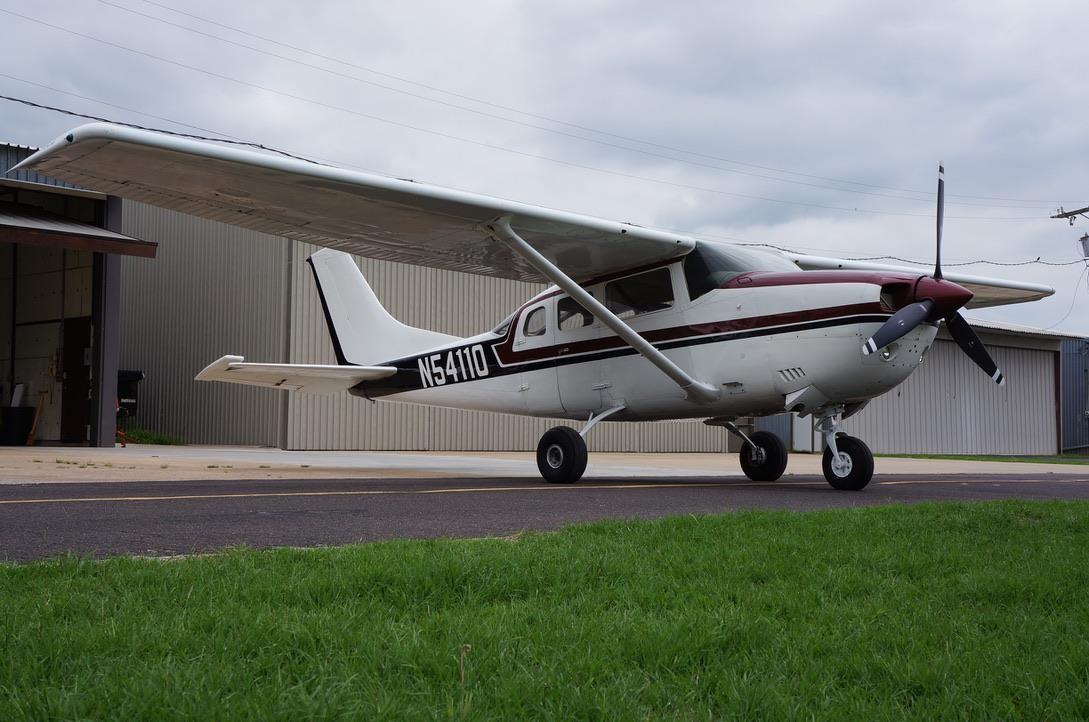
32 104
738 241
493 146
652 154
1073 299
928 194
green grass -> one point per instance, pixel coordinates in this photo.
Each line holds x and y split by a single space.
952 611
1053 459
140 435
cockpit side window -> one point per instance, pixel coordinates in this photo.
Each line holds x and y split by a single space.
570 315
707 267
643 293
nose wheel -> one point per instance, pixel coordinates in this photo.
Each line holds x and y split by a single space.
849 466
847 462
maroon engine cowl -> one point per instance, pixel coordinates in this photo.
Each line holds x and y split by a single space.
948 297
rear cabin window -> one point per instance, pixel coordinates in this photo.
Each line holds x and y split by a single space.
535 323
707 267
635 295
571 315
504 325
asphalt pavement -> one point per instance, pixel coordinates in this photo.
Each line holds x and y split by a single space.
166 518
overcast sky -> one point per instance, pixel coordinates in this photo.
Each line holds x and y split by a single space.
815 126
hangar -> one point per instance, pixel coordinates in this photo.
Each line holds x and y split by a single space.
59 307
216 289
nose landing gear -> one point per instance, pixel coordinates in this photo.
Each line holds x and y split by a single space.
848 462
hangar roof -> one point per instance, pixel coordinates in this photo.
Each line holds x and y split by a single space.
21 224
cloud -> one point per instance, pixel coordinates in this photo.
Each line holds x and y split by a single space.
872 93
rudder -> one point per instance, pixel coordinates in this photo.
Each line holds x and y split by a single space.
362 331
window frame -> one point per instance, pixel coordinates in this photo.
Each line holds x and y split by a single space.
541 309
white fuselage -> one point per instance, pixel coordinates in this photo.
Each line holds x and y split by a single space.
759 344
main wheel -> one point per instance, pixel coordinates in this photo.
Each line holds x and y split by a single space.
854 467
561 455
765 459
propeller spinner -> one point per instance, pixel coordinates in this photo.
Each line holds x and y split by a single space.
936 298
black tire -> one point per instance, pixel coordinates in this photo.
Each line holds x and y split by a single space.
774 461
861 470
561 455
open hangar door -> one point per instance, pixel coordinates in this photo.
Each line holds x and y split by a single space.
59 311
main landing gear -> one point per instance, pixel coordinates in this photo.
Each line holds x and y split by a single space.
561 453
848 462
763 456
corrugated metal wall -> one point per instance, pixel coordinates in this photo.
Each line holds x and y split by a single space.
455 303
949 406
212 290
12 154
1075 394
215 289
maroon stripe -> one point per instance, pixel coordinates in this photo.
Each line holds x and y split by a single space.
804 278
507 355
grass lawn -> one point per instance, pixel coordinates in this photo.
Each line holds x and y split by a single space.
963 610
1053 459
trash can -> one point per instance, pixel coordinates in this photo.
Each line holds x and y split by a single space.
128 396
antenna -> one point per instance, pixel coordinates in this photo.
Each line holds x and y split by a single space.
941 217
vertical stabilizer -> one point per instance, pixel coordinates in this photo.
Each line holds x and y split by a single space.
362 330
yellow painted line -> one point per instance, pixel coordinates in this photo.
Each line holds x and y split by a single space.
387 492
487 489
983 481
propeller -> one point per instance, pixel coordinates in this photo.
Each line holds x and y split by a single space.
936 298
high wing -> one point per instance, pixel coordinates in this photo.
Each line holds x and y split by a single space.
388 218
311 378
370 215
988 291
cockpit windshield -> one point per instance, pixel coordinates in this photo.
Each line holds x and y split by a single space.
708 266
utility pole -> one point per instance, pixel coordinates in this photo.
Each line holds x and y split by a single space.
1071 215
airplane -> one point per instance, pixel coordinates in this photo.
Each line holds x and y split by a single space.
640 324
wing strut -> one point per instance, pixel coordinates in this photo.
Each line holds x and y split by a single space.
697 390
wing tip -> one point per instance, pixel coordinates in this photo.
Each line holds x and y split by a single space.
221 364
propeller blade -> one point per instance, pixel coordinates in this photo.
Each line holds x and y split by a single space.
901 324
941 220
966 338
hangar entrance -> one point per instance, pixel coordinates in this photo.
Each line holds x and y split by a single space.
59 314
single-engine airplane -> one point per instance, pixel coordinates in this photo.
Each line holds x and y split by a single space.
640 325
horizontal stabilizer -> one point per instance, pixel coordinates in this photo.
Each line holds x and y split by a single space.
309 378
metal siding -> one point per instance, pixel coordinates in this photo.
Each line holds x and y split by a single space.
1075 394
11 155
214 289
949 407
450 302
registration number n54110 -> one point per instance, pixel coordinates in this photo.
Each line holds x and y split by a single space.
464 363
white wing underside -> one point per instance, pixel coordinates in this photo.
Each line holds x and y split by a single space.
370 215
309 378
385 218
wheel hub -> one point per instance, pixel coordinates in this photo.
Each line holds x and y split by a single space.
842 465
757 455
554 456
